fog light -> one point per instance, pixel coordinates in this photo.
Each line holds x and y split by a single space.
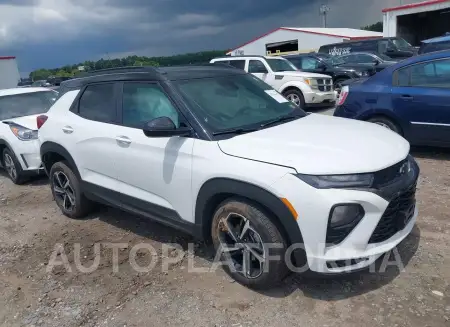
345 214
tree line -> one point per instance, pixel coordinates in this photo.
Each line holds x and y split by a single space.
73 70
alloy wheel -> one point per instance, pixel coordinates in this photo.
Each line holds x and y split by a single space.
384 125
10 166
242 244
294 98
64 193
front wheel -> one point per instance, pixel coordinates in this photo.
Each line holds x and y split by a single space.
295 96
245 236
13 167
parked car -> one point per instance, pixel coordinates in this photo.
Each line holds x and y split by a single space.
379 62
19 147
393 47
335 67
411 98
302 88
435 44
40 83
25 82
217 153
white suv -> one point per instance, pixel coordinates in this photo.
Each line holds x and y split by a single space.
307 90
19 147
216 153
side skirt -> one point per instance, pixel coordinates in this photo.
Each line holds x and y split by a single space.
141 208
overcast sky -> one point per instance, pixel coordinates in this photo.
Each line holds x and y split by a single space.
52 33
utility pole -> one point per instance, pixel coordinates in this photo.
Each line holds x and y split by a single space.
324 9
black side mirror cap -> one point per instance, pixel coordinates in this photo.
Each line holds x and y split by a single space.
164 127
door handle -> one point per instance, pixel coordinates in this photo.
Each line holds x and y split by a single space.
123 140
67 129
407 97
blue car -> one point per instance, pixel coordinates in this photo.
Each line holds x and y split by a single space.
435 44
411 98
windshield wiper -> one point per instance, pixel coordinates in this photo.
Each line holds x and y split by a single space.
235 131
279 120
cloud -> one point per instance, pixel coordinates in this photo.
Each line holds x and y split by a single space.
51 33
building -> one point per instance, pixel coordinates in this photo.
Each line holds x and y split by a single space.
9 72
417 21
295 39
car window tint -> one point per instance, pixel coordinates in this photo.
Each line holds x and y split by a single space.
144 102
309 63
256 66
431 74
97 103
26 104
238 63
402 76
297 62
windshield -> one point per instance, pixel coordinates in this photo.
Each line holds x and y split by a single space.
237 101
334 61
26 104
281 65
401 43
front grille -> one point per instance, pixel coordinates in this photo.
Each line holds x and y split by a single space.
325 84
396 216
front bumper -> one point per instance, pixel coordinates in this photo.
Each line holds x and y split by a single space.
319 99
27 153
359 249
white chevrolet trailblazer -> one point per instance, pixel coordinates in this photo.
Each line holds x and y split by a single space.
306 90
19 147
216 153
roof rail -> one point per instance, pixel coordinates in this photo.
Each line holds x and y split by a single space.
118 70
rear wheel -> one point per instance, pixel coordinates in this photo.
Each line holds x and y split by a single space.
245 236
13 167
295 96
67 193
385 122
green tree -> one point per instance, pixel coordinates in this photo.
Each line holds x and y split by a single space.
377 27
181 59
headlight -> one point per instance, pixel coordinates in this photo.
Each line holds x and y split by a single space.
338 181
311 82
362 74
23 133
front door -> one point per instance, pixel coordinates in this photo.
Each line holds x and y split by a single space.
422 94
258 69
154 173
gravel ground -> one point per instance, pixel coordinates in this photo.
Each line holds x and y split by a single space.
31 225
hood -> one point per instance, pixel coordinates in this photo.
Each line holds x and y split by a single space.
25 121
354 67
302 74
319 145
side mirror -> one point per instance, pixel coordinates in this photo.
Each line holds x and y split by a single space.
322 66
164 127
376 62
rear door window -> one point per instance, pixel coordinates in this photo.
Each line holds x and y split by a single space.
429 74
238 64
98 103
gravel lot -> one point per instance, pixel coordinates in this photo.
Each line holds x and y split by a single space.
31 225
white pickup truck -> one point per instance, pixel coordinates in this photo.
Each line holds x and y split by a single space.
304 89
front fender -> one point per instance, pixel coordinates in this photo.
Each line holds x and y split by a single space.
302 86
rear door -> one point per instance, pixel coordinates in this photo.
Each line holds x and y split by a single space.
88 133
258 68
421 94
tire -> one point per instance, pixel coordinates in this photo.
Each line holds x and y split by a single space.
295 96
13 167
262 231
386 122
337 84
68 197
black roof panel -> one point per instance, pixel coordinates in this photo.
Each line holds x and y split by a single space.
152 74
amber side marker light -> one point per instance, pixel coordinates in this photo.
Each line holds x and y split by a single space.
290 207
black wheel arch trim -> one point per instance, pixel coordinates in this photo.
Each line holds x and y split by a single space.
205 205
6 144
52 147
